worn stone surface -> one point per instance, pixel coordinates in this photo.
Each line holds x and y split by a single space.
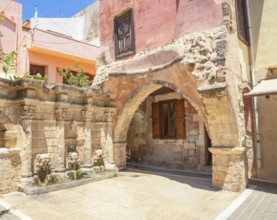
229 168
149 196
10 165
183 153
202 66
39 119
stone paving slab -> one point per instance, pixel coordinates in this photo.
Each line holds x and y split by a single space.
261 204
131 195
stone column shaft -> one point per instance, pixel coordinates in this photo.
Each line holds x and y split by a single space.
27 112
87 115
60 151
109 139
229 171
26 151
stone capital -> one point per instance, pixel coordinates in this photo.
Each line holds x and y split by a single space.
227 150
27 111
60 113
109 116
87 115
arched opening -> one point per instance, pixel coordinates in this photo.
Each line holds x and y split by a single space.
8 138
160 126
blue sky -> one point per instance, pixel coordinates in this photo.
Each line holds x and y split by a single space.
53 8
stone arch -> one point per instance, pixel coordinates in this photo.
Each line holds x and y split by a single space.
131 89
135 98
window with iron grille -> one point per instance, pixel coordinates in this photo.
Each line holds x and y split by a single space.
124 34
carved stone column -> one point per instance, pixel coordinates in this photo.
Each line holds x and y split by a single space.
87 115
109 161
60 151
26 114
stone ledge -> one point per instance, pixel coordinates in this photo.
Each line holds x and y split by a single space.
7 151
213 86
34 190
150 69
227 150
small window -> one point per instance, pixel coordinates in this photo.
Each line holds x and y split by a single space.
35 69
124 34
242 25
168 119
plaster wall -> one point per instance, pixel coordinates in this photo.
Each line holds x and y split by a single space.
60 43
268 138
265 31
157 23
11 26
71 27
53 62
243 55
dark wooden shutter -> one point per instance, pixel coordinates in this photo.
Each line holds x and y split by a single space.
242 20
180 119
156 121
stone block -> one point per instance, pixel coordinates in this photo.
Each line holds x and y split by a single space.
192 153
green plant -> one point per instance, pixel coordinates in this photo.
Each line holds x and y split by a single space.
79 79
35 77
9 63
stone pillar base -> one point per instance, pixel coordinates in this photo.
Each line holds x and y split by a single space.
25 181
110 167
60 170
88 169
229 172
120 155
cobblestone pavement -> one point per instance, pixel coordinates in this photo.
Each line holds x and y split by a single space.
261 204
131 195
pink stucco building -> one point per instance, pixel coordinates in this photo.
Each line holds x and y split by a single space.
178 70
11 26
45 49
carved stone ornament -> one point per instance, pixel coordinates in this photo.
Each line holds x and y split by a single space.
73 125
60 113
87 115
27 111
109 116
73 162
43 166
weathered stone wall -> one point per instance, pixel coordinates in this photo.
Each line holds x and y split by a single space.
38 118
10 165
248 114
203 67
174 153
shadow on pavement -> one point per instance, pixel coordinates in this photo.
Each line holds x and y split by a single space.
193 179
264 186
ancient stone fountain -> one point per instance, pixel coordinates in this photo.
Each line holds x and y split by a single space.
39 122
43 172
73 166
98 161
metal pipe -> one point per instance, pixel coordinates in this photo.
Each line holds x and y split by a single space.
254 100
